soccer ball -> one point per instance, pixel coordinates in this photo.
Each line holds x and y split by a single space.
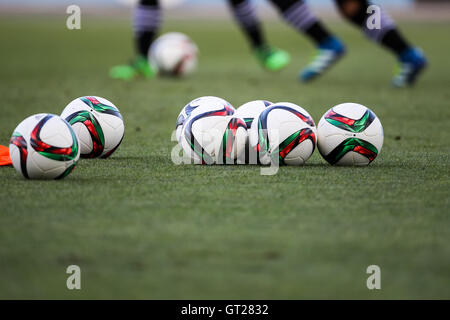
283 132
97 123
210 133
44 146
214 138
350 134
201 105
250 110
174 54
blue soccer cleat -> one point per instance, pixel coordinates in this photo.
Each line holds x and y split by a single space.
412 63
328 54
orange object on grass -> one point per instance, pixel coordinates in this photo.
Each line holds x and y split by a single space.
5 160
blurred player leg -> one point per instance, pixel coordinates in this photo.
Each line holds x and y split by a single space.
330 49
412 60
271 58
146 22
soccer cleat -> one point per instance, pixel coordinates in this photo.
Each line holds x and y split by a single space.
139 66
328 54
412 63
272 59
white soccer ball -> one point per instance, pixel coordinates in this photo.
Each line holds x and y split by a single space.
350 134
250 110
97 123
44 146
173 54
211 134
283 132
201 105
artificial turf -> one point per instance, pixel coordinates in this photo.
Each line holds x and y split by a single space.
141 227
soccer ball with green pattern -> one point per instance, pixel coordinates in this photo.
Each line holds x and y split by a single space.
248 112
283 133
97 123
44 146
350 134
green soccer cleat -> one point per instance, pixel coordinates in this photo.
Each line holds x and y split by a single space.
272 59
138 67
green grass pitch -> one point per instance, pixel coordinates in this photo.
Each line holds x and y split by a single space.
141 227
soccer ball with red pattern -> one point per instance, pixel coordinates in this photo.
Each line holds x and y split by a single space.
209 133
97 123
350 134
283 133
44 146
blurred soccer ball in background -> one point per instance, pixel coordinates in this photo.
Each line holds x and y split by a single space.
173 54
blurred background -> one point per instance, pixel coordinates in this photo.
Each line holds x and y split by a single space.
416 9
